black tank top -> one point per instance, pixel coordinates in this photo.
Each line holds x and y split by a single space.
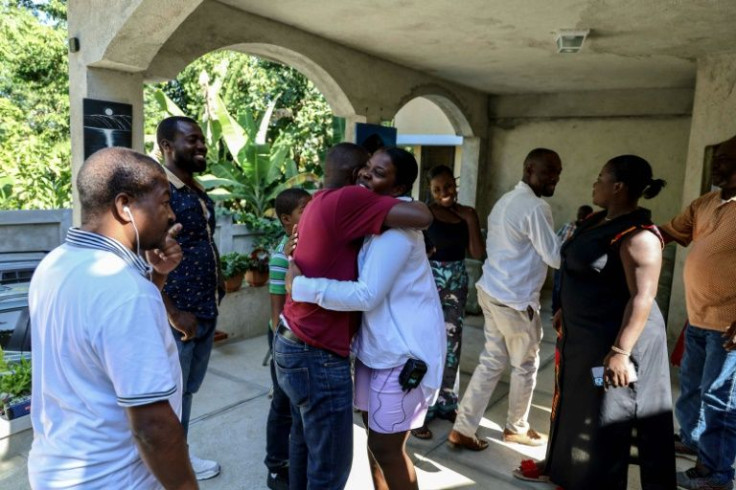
449 239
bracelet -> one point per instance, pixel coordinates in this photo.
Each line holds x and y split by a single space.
619 350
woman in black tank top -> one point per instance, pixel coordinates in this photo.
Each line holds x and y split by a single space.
455 231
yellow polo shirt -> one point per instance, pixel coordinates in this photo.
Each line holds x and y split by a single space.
710 268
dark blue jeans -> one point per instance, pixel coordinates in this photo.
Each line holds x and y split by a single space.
194 356
706 408
279 421
320 389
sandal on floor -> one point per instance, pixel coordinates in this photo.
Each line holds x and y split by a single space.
422 432
530 470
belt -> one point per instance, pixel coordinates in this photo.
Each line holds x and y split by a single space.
288 334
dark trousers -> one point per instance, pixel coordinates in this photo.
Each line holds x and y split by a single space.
278 425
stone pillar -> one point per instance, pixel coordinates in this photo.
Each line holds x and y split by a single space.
101 84
712 122
469 171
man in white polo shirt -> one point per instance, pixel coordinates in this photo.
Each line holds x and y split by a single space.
521 244
106 377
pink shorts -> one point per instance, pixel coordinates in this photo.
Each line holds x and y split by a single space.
390 410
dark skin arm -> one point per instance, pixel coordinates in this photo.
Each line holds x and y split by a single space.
641 255
730 336
182 321
277 306
409 215
475 243
166 258
163 448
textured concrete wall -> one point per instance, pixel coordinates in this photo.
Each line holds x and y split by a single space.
584 145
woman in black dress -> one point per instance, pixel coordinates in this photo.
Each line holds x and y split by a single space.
609 319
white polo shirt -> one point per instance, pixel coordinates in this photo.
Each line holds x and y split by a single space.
395 288
521 244
101 342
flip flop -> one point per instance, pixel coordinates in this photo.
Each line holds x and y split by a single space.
422 432
529 470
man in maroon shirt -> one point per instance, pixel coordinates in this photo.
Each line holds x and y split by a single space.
312 344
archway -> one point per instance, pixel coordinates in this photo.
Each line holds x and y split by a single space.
441 134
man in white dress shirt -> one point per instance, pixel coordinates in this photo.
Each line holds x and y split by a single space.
521 244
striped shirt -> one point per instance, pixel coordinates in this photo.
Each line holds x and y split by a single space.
277 267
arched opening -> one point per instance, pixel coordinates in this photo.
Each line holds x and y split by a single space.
441 135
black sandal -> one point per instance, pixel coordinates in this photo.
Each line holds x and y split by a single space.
422 432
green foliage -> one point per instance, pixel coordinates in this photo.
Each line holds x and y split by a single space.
15 379
269 229
35 152
300 115
233 263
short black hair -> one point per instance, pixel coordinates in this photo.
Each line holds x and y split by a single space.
440 170
405 165
288 200
168 128
636 173
586 209
538 154
112 171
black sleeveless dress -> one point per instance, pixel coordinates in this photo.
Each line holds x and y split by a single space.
592 429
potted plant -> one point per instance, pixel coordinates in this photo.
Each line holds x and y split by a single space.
257 268
233 266
15 387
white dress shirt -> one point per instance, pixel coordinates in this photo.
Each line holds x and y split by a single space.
395 288
521 244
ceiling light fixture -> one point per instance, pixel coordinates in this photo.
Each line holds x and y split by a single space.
571 40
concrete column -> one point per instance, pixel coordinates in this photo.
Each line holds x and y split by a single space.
712 122
350 122
101 84
469 171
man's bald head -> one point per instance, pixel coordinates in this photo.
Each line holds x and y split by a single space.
113 171
342 164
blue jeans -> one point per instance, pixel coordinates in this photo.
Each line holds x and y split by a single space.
194 356
706 408
279 421
320 389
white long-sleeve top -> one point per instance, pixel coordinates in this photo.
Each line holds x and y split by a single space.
521 244
395 288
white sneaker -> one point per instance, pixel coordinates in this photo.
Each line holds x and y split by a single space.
204 469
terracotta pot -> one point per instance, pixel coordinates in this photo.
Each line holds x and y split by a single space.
256 278
232 284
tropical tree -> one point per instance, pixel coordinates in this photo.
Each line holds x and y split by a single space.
300 115
35 151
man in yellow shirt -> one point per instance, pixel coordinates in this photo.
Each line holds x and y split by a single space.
706 408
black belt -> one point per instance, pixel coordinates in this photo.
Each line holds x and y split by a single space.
288 334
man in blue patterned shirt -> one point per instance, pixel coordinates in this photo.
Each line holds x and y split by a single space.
191 291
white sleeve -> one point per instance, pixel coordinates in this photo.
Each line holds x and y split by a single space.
132 348
543 237
384 260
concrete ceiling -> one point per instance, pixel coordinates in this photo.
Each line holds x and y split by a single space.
507 46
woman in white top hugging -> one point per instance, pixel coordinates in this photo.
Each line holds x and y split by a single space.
402 331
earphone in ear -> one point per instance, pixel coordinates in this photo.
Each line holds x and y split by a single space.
126 210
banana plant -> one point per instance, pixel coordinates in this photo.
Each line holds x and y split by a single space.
246 172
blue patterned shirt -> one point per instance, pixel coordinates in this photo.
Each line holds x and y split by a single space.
192 286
